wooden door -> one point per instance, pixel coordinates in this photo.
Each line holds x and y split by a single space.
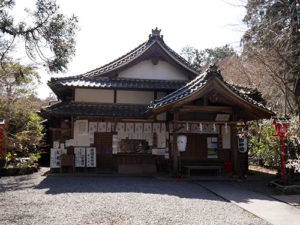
103 144
195 149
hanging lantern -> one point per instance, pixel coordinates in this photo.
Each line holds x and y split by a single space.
242 143
181 143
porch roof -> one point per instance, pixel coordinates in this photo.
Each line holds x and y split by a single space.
249 96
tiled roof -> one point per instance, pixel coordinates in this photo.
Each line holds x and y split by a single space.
130 56
117 82
200 81
95 109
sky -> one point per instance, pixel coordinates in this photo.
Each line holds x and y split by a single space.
111 28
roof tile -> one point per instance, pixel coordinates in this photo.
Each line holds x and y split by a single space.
95 109
117 82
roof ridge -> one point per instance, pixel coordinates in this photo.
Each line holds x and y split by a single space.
114 61
91 71
134 53
178 56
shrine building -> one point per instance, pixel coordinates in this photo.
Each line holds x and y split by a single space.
151 111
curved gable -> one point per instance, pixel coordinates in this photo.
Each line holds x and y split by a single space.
147 70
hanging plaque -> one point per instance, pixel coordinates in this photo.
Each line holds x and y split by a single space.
92 129
147 128
102 127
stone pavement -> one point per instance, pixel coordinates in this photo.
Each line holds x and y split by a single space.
263 206
290 199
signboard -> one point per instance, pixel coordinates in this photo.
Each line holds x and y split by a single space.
212 147
90 157
55 157
79 157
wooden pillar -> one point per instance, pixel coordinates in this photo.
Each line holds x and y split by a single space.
72 127
175 154
234 143
234 148
175 149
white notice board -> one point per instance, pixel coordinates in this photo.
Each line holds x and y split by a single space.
90 157
55 157
79 156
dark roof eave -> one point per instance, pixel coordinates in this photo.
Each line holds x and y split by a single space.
137 84
95 109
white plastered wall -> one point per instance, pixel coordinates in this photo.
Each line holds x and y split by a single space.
94 95
135 97
161 71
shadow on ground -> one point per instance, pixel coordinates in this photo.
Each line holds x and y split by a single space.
146 185
54 185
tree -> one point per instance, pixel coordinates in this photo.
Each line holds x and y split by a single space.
23 130
47 34
48 37
203 58
245 71
273 42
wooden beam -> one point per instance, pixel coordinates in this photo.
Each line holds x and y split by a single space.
206 122
176 115
59 129
205 101
216 109
72 127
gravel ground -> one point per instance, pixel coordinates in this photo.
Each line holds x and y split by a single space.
38 199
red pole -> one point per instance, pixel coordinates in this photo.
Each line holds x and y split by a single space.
282 156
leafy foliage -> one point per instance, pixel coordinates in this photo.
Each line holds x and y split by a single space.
264 148
48 35
23 130
203 58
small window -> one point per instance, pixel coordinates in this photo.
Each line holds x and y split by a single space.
212 147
